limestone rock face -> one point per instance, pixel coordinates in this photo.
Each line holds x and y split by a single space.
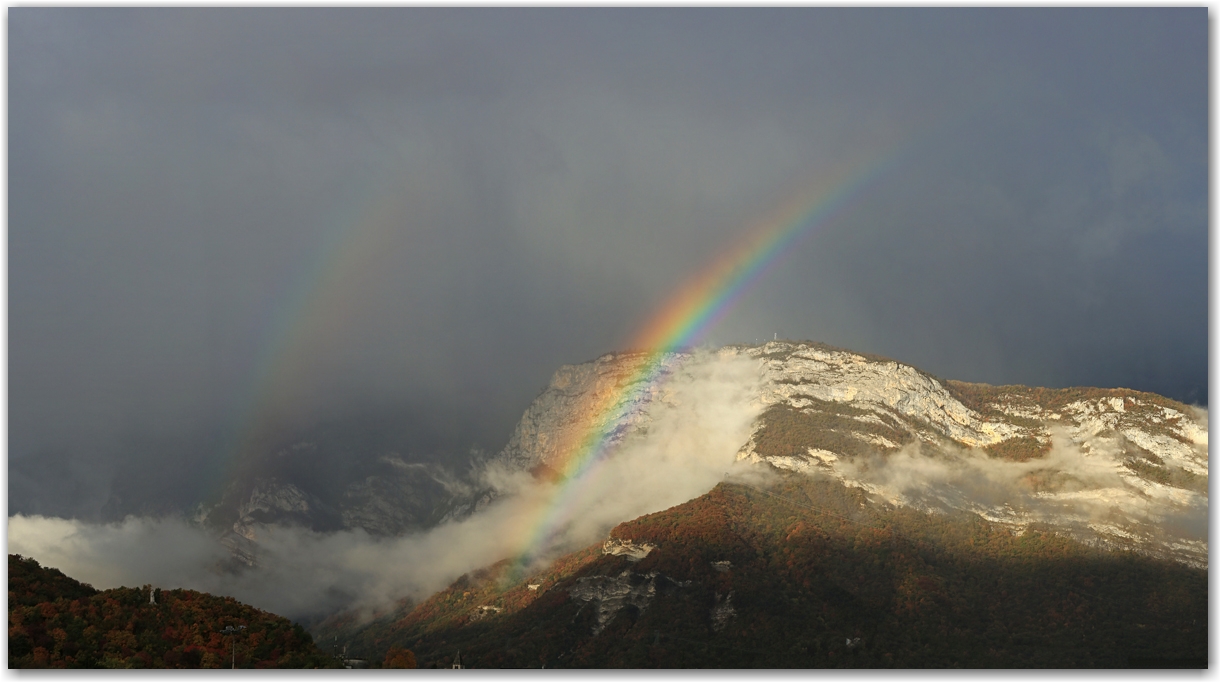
609 594
627 548
796 376
576 396
406 496
269 502
392 497
800 375
723 611
273 501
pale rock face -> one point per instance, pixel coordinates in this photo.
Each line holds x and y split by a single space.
267 499
394 497
270 502
577 395
611 594
843 377
723 611
390 505
482 612
627 548
1105 497
275 496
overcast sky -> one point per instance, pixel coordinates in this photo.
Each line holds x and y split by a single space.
232 219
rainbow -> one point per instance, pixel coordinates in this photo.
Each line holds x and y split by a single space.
683 321
302 327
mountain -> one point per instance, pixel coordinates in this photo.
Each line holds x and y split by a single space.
907 521
1116 466
1117 477
57 622
384 474
387 496
809 572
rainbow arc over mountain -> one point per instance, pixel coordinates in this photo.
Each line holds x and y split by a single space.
683 321
303 325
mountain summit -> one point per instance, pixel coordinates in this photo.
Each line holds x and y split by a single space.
1118 467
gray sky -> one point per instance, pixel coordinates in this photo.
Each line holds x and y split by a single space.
236 221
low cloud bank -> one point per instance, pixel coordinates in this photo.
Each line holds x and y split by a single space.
703 415
1083 485
301 574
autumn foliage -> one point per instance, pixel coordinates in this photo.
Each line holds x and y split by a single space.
818 576
397 657
57 622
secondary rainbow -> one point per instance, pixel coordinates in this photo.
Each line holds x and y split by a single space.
683 321
297 331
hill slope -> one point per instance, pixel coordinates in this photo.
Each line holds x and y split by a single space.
57 622
810 573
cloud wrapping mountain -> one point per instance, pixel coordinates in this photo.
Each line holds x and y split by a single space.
693 430
903 436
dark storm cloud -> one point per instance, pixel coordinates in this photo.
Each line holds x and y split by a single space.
519 188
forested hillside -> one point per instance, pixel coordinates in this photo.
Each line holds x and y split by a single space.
57 622
808 573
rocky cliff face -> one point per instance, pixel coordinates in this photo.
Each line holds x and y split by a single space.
571 400
1112 466
1116 466
387 498
610 594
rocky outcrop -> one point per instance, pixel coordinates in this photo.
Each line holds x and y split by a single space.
627 548
482 612
1119 467
610 594
273 501
799 375
392 497
402 497
794 375
723 611
579 395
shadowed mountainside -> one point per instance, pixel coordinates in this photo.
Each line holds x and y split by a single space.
809 573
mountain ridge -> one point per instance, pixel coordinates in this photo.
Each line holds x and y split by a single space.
824 408
391 494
